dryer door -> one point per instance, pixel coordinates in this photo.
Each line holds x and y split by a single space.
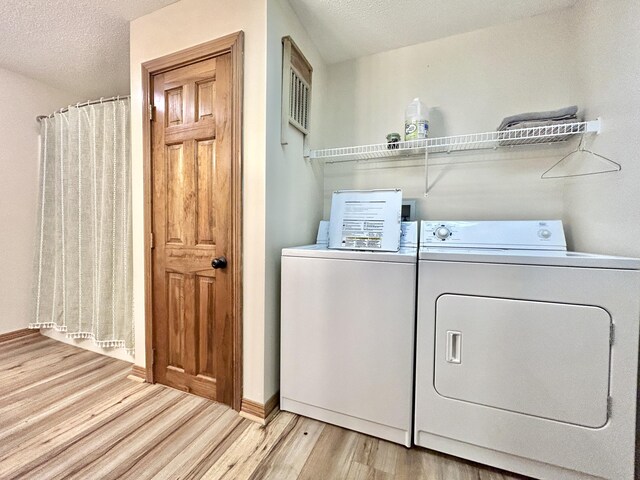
548 360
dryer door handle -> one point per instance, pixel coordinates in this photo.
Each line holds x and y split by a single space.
453 352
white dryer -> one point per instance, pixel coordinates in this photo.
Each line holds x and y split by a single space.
347 337
526 354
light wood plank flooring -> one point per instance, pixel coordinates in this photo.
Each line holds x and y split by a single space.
69 413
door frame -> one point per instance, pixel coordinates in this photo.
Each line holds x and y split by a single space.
233 44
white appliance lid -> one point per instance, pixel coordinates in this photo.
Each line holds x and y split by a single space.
404 255
528 257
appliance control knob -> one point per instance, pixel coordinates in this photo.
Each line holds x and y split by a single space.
544 233
442 232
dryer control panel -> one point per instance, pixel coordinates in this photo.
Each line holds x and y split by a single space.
507 234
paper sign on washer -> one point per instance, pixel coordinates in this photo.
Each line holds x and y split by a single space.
365 220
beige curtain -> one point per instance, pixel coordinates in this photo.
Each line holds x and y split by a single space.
83 277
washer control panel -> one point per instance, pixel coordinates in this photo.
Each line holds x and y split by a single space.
507 234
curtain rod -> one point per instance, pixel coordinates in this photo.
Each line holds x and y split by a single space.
84 104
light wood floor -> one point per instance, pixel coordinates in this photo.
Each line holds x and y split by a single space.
69 413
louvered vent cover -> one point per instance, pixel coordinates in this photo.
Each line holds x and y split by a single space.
296 89
299 96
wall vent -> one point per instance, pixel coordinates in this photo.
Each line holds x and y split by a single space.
296 88
299 102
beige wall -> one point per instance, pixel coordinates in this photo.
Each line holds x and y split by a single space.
582 55
603 211
469 82
176 27
293 184
22 99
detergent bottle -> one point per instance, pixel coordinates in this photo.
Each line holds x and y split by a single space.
416 125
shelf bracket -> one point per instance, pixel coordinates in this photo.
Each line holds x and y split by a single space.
426 171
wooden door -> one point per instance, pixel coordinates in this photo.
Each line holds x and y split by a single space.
192 223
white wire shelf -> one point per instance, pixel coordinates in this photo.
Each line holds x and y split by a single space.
456 143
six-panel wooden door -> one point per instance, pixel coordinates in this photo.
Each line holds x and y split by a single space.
192 217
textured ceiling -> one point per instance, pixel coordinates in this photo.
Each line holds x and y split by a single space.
344 29
76 45
83 45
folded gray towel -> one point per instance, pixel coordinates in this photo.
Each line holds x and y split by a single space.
566 113
539 123
517 138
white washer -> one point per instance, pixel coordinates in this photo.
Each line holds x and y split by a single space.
526 354
347 338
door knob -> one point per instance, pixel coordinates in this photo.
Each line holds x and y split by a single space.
220 262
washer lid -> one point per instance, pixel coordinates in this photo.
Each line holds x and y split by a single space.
404 255
528 257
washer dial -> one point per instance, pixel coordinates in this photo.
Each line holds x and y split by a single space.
544 233
442 232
